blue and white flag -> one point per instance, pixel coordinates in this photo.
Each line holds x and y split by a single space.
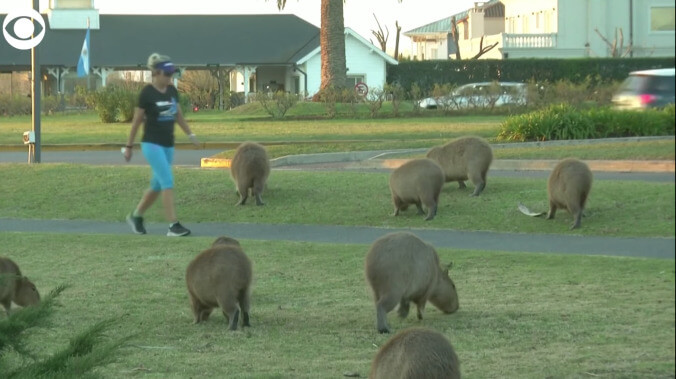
83 62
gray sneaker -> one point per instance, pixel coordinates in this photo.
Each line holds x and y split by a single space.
177 230
136 224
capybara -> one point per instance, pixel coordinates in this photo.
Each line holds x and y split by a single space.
15 287
568 187
464 158
220 277
250 168
401 268
416 353
418 182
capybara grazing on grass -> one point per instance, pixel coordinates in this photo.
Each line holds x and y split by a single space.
15 287
418 182
462 159
250 168
416 353
220 277
568 187
401 268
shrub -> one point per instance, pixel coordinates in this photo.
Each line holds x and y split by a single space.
374 100
276 104
106 103
14 105
563 122
415 94
397 93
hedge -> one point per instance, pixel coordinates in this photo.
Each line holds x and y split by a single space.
427 73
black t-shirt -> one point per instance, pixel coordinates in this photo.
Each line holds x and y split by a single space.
160 109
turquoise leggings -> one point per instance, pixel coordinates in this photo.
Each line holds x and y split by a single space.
160 159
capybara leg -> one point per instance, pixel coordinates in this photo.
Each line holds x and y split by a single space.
552 211
244 306
204 315
196 308
420 208
7 304
479 187
243 193
257 191
431 212
404 307
383 306
577 217
234 320
397 205
242 198
461 184
421 308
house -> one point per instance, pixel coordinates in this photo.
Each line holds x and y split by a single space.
554 29
435 40
260 52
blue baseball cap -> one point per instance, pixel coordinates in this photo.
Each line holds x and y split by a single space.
166 67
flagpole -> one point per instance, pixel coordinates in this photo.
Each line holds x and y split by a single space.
36 85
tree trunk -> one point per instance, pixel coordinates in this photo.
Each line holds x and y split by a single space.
396 41
332 44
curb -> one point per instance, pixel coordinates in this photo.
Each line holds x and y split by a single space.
544 165
499 164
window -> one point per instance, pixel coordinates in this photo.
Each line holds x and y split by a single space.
352 80
662 19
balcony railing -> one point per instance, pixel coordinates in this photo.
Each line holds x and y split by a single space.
534 41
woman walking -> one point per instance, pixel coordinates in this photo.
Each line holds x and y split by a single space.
158 109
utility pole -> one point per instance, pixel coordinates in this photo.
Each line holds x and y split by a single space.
36 89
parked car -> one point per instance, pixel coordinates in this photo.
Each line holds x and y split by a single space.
479 95
646 89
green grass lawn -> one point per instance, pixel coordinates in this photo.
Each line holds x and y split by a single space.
307 136
233 127
614 208
521 315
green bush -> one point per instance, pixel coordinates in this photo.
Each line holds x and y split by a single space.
276 104
565 122
106 102
14 105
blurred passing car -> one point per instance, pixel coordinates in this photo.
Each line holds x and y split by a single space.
646 89
479 95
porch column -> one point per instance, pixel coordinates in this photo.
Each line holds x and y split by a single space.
58 73
103 72
246 72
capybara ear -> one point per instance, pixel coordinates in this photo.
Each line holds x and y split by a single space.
448 267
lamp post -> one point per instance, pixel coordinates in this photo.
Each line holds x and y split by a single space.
36 85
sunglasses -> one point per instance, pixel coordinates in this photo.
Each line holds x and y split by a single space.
168 74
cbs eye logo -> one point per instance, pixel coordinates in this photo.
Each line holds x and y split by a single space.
20 31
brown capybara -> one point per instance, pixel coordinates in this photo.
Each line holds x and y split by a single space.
416 353
568 187
15 287
401 268
220 277
418 182
250 168
464 158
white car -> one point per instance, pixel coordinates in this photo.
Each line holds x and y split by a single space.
479 95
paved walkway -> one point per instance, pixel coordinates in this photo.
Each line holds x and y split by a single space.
515 242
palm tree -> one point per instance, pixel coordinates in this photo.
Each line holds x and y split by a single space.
331 42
